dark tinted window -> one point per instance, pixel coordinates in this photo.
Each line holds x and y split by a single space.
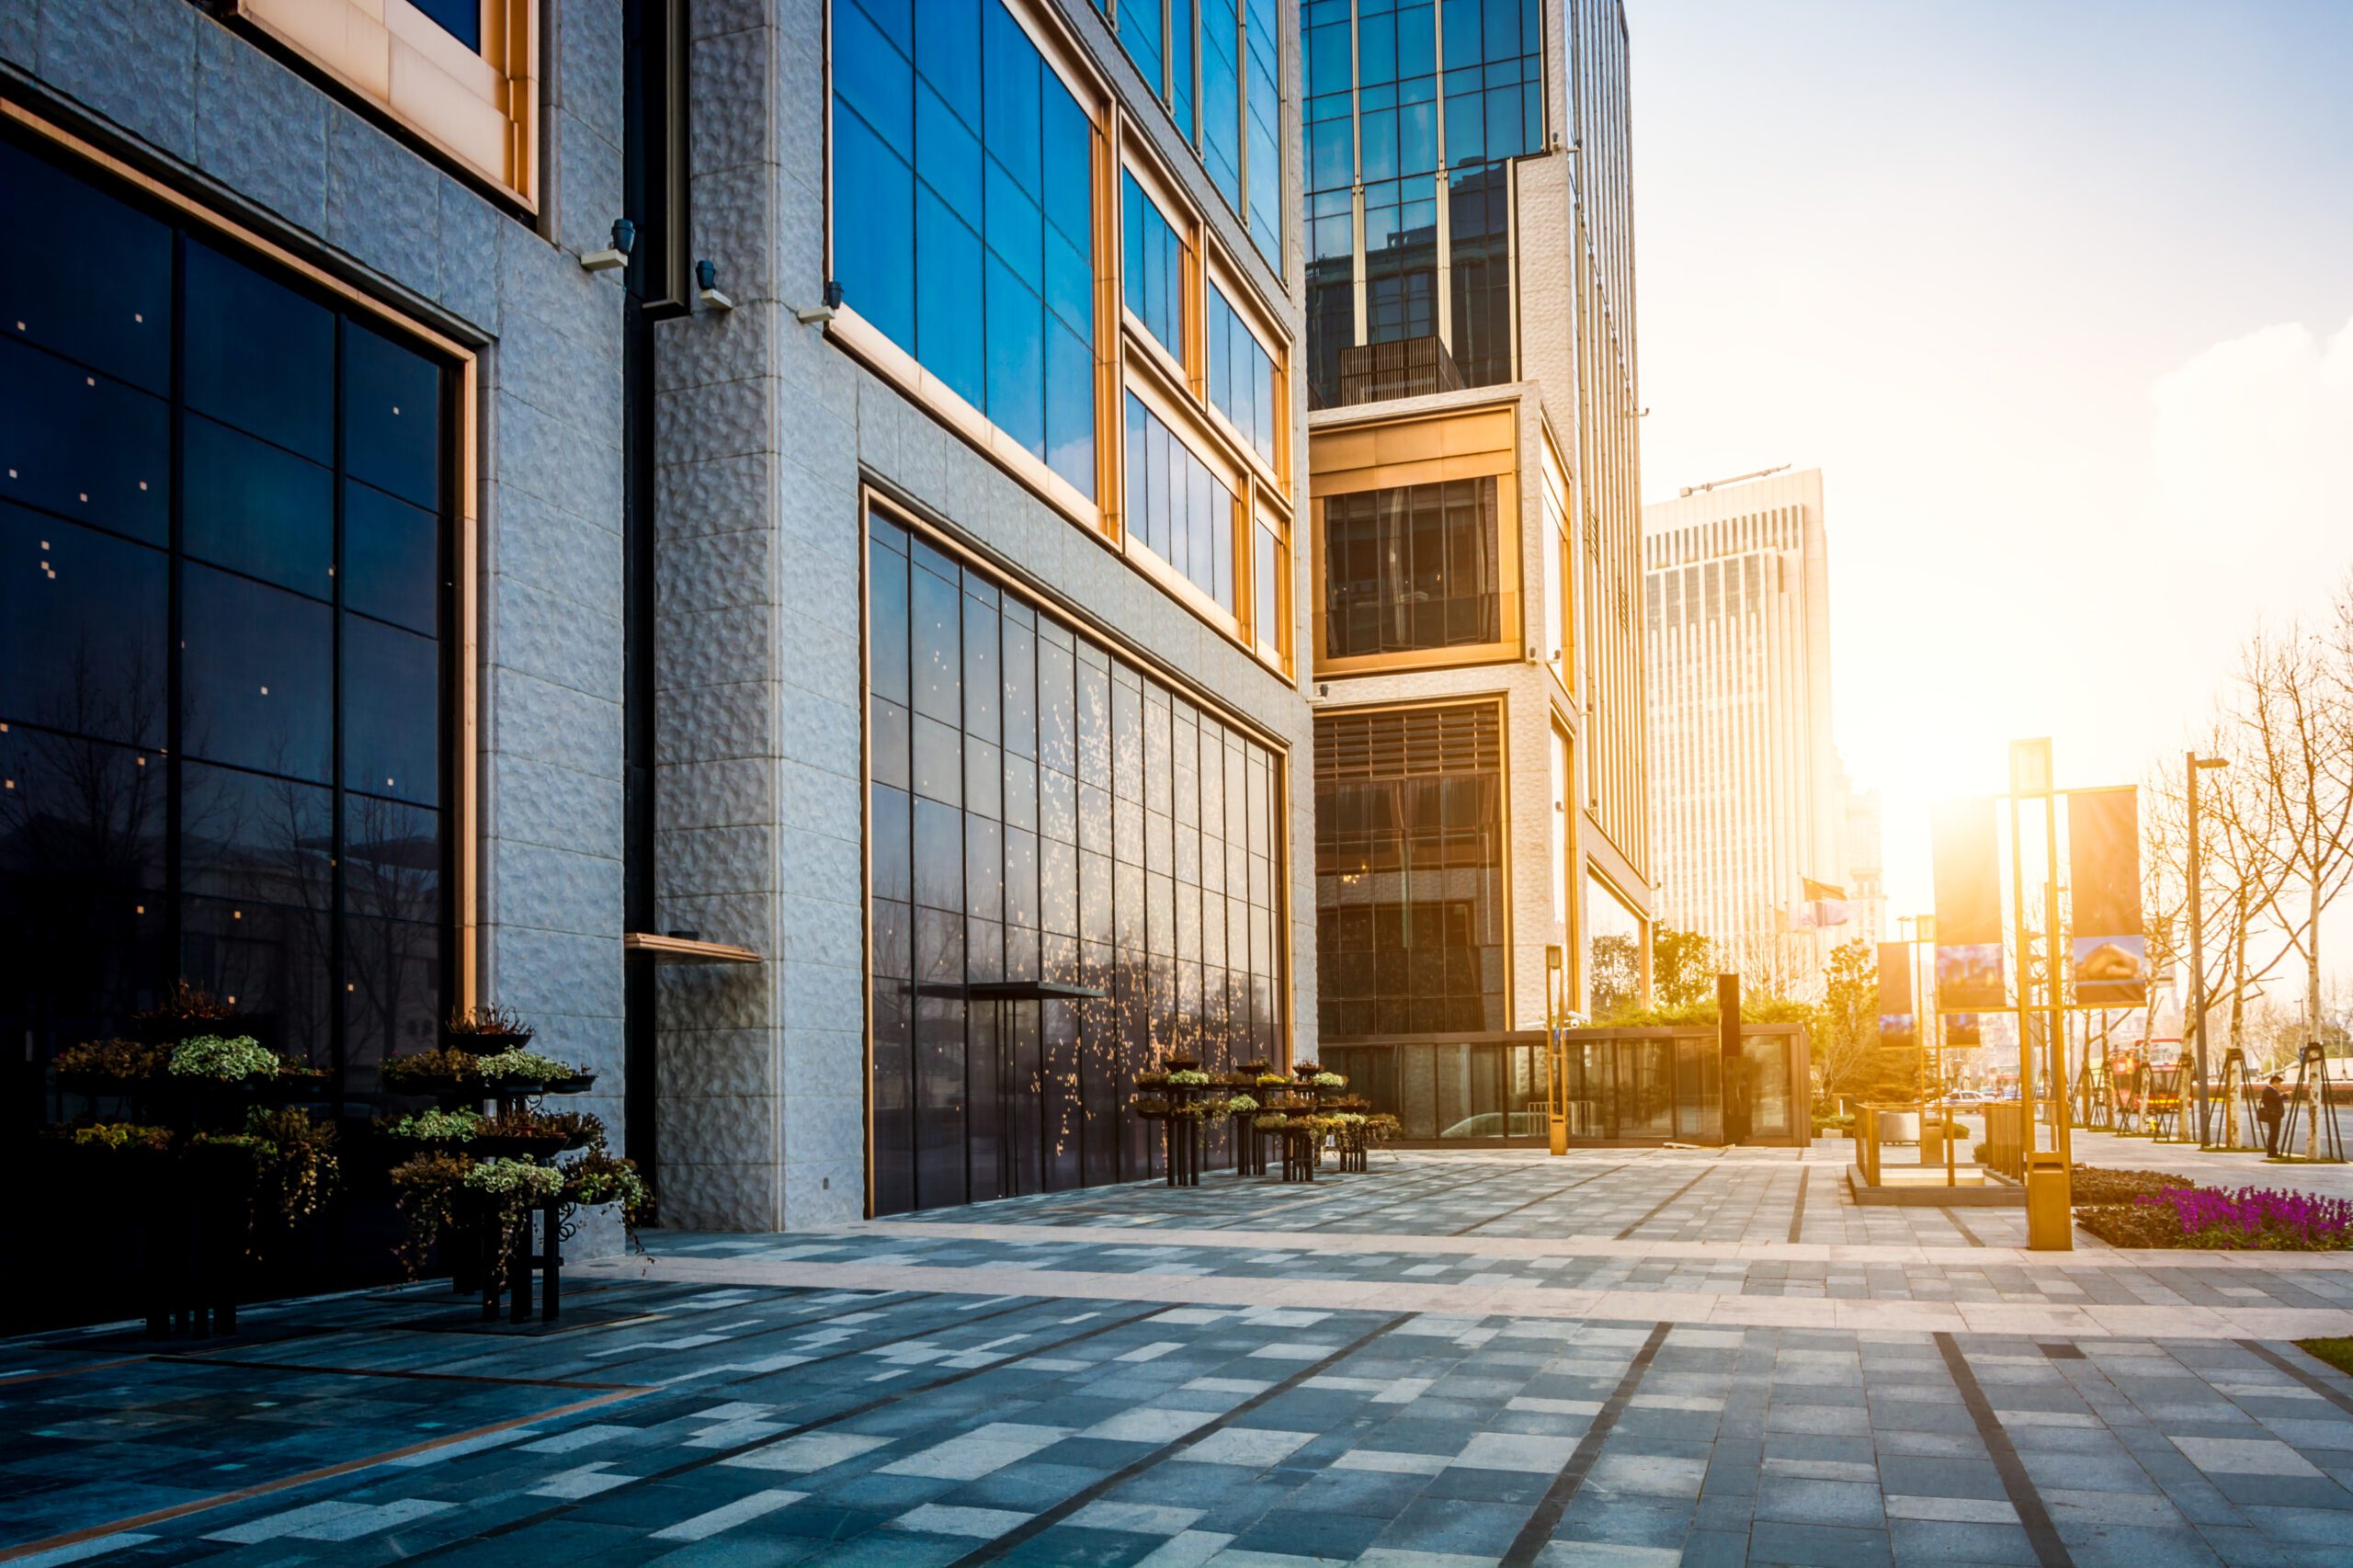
391 560
91 280
256 676
81 630
392 418
258 356
256 508
82 445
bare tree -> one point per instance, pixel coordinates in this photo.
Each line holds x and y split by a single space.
2296 716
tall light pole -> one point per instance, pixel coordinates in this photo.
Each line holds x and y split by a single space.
2195 764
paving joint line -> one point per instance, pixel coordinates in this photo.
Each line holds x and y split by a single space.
2049 1552
1540 1197
1797 1218
1038 1524
1537 1533
1659 1208
866 1407
2334 1396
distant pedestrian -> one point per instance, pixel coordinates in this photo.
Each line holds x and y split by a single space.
2274 1107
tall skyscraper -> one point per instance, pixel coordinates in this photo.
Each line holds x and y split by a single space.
1480 774
1749 801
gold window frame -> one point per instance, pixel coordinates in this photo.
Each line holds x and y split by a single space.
1190 424
464 807
478 110
1426 448
1261 323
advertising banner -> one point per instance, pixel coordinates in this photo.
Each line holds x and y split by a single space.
1898 1025
1969 907
2109 949
1964 1032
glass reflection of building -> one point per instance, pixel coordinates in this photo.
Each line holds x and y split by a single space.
224 680
1044 811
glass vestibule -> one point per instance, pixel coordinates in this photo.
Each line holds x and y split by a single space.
1041 810
225 505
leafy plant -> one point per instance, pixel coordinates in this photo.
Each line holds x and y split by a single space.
129 1060
231 1058
421 1069
599 1177
2093 1184
483 1019
185 1004
1329 1080
522 1066
1241 1104
293 1165
123 1135
425 1190
524 1181
439 1125
1185 1078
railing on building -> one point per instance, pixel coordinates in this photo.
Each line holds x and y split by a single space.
1411 367
1625 1086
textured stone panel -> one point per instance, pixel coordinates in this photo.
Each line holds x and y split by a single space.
734 226
260 130
730 69
530 717
815 866
587 184
699 998
547 972
824 930
711 1197
730 1062
19 33
717 419
714 647
821 1194
557 806
715 571
824 996
718 345
546 284
820 732
715 794
554 890
815 801
704 860
557 639
570 557
132 60
571 467
717 1126
707 723
384 202
722 496
570 368
469 270
821 1062
587 67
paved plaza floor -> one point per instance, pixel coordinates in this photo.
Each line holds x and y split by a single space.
1616 1357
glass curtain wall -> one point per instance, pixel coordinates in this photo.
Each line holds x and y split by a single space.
963 180
1041 810
1414 107
1182 511
1411 567
1237 49
223 679
1409 870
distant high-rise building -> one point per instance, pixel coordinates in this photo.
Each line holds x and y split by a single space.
1480 756
1866 882
1749 804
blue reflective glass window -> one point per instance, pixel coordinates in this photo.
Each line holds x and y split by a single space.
391 560
258 356
1016 371
1180 65
1156 267
256 676
947 53
1242 377
91 280
248 837
461 19
947 156
1010 73
1070 407
973 266
873 229
82 445
947 299
1175 506
391 682
82 626
1222 99
256 508
1140 26
1263 105
392 416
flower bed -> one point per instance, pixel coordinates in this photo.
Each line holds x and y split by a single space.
2252 1218
2093 1186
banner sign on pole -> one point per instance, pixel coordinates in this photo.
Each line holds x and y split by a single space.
1969 907
1897 1027
1964 1032
2109 949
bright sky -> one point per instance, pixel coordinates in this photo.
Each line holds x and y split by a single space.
2059 296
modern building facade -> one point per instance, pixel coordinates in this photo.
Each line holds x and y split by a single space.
761 537
1749 799
1480 732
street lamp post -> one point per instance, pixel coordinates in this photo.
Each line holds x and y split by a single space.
2194 765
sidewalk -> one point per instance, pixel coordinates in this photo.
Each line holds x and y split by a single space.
1618 1358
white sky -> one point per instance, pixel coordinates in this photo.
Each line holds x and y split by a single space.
2059 298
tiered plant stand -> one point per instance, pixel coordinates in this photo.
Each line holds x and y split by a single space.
476 1260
